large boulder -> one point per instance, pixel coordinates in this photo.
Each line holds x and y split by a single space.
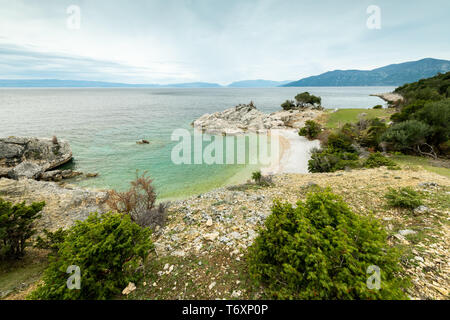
25 169
30 157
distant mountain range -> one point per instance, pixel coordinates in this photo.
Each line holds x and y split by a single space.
391 75
53 83
257 84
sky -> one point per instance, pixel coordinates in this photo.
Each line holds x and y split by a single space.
174 41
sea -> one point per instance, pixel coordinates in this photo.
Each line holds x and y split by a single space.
103 125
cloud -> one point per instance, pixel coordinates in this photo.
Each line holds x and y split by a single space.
169 41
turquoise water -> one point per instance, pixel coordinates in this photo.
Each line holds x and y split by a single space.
103 125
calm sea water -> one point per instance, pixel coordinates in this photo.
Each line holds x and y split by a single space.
103 125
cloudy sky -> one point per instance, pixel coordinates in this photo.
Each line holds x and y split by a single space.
171 41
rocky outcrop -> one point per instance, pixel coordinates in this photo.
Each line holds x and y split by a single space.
31 157
247 118
64 205
389 97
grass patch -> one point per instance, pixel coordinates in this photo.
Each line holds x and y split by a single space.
342 116
19 274
441 167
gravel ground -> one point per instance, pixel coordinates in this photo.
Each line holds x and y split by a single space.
230 217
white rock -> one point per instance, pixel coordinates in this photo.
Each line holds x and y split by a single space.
129 289
211 236
406 232
212 285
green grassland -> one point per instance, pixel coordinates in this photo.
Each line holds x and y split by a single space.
342 116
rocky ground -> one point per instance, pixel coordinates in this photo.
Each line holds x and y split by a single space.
247 118
64 204
227 220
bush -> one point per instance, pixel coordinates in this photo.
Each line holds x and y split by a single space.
107 248
376 160
378 106
437 116
407 135
51 240
321 250
311 130
139 203
371 137
288 105
405 198
17 227
256 176
340 142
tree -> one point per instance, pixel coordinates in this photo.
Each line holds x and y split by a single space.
17 226
305 98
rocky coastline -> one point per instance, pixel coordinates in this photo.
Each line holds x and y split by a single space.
246 118
389 97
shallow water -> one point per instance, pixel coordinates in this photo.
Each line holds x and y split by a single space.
103 125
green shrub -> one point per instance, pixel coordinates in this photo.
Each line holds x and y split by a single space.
256 176
378 106
288 105
311 130
407 135
371 137
376 160
403 198
340 142
17 227
51 240
328 161
408 111
322 250
107 248
437 116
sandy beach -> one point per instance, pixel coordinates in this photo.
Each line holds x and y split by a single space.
294 153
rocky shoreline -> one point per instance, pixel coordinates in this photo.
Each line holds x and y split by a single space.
246 118
389 97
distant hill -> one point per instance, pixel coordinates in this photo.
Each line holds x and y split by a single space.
391 75
53 83
193 85
257 84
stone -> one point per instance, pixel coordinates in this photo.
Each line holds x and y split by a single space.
209 223
421 209
91 175
418 258
406 232
34 153
25 169
211 236
212 285
236 294
129 289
